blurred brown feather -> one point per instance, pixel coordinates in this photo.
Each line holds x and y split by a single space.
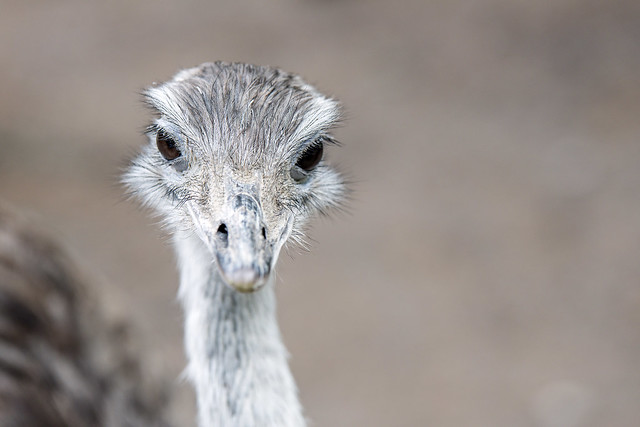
60 365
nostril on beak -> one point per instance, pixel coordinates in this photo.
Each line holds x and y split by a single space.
223 234
222 229
264 233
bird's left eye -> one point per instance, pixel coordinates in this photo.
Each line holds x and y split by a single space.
311 157
307 161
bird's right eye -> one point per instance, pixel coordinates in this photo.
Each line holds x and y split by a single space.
167 146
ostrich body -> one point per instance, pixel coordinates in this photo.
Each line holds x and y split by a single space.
234 168
61 365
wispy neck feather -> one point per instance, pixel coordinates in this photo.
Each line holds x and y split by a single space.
237 362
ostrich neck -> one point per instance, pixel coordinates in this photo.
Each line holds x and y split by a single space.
236 359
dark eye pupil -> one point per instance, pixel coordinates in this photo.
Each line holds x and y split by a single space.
167 146
310 158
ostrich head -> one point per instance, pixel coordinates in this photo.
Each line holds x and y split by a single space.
235 156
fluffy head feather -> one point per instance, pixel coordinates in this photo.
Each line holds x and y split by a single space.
237 125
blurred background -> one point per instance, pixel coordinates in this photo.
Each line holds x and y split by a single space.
488 271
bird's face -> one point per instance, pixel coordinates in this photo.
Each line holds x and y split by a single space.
235 156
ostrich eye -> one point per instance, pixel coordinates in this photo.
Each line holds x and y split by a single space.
310 158
167 146
307 161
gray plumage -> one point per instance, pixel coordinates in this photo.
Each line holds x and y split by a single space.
234 168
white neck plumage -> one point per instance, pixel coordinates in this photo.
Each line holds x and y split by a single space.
236 359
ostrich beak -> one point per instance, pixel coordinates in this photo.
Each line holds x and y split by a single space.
242 250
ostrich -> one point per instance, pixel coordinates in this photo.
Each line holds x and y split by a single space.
234 168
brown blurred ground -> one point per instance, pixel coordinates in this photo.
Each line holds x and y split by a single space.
488 274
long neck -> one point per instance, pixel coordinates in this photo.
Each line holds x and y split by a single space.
237 362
